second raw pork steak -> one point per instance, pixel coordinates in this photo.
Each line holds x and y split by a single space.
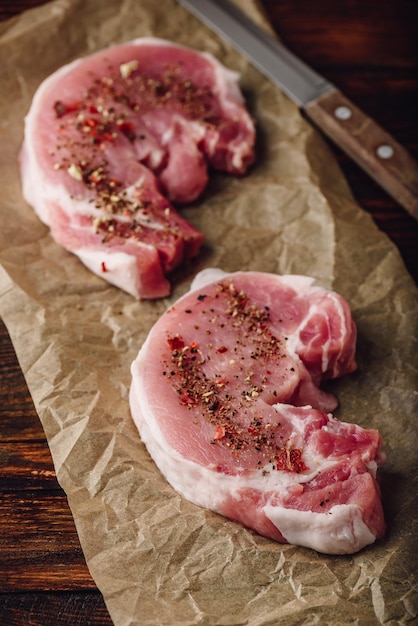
225 394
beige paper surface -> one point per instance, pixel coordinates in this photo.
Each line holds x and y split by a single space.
156 558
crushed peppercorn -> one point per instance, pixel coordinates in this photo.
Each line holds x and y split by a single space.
108 113
232 400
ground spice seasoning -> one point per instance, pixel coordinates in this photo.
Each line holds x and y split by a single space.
224 391
110 112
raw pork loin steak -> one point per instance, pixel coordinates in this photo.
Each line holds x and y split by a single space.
225 394
112 140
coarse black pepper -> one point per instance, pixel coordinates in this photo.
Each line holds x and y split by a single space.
109 110
230 400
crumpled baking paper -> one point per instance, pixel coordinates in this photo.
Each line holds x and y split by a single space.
156 558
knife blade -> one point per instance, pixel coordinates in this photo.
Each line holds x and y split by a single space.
358 135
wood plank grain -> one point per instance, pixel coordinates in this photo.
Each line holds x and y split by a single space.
353 32
39 546
26 466
18 417
53 609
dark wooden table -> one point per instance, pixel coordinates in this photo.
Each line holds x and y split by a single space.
369 50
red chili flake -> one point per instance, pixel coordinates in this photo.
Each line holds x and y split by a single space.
224 469
104 268
222 349
194 345
62 109
94 178
175 343
127 128
186 399
242 299
90 122
105 137
219 433
290 460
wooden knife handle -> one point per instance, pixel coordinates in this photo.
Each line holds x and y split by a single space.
387 162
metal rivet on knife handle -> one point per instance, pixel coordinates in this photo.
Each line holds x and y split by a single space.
343 113
385 152
386 161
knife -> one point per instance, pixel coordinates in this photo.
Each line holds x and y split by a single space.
369 145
